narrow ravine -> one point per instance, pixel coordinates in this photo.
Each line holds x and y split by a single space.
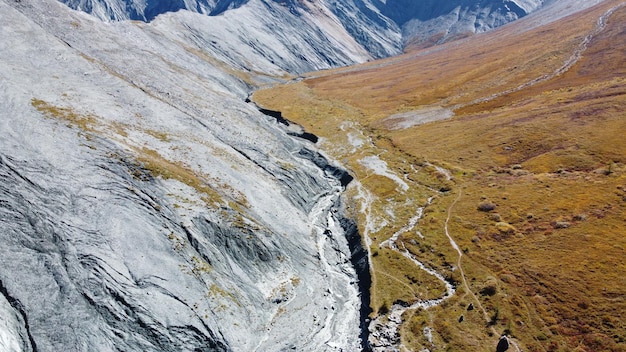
347 274
14 323
290 127
342 291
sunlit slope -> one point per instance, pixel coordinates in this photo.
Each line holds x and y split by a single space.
536 128
458 72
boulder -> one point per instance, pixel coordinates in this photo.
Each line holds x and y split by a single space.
503 344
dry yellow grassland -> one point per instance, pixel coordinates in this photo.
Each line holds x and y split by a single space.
547 265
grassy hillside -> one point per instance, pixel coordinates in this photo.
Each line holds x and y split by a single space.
512 142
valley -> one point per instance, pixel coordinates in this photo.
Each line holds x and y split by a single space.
530 142
374 176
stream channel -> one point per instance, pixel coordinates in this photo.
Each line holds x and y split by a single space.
382 333
359 257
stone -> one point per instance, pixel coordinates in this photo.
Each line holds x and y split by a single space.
503 344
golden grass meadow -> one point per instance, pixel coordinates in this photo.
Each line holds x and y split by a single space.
514 143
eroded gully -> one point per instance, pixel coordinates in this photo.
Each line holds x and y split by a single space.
348 274
383 332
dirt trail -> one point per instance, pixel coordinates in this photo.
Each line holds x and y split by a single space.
385 329
460 268
567 64
459 262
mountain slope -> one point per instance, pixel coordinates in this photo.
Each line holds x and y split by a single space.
144 10
381 28
499 168
147 207
425 23
327 26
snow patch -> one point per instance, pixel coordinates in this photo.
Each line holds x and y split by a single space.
413 118
379 167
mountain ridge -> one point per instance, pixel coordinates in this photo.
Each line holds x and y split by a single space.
422 23
156 209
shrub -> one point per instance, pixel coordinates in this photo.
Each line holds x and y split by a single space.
495 217
494 317
490 287
486 207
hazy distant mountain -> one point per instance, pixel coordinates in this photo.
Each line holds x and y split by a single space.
430 22
433 21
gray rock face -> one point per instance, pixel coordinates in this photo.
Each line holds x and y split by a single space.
381 28
431 22
144 206
14 331
323 26
142 10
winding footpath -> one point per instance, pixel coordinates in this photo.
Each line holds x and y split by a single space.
385 329
567 64
460 268
459 263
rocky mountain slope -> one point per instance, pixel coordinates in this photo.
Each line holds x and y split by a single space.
145 206
426 23
380 27
324 26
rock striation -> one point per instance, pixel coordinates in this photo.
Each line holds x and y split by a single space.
335 32
145 206
379 28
